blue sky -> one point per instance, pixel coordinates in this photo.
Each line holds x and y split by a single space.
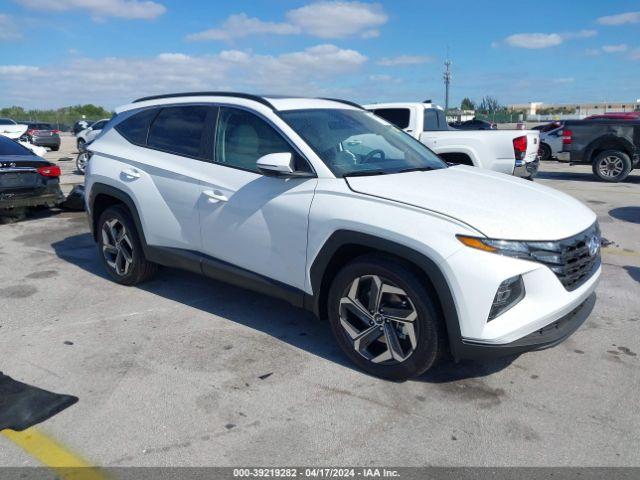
61 52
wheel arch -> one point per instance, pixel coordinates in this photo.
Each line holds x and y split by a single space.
345 245
608 142
103 196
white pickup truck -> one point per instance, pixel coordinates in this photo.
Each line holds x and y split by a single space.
514 152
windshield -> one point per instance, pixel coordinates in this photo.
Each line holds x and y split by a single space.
356 142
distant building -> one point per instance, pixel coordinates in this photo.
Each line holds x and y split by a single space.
578 109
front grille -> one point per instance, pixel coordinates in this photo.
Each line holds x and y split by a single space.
570 259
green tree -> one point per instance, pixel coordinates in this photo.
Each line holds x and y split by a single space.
61 117
489 105
467 104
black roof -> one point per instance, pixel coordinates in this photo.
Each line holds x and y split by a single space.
248 96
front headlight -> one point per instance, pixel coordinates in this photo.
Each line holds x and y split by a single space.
510 248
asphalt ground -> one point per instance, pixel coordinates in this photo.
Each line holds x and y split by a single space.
186 371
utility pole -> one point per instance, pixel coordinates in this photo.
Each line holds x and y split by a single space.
447 81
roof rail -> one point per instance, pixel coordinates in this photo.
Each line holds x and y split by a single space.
346 102
248 96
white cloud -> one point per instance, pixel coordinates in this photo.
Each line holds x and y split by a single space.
403 60
580 34
241 25
173 57
322 19
8 29
615 48
534 40
338 19
543 40
563 80
620 19
620 48
114 81
17 70
101 9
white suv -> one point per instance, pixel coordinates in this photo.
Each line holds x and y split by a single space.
325 205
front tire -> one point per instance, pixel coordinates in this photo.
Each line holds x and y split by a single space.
385 319
612 166
120 248
81 145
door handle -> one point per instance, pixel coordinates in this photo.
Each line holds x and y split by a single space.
131 173
215 196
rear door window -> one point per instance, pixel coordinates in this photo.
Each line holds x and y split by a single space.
179 130
398 116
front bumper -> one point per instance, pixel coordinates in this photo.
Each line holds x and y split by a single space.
526 169
546 337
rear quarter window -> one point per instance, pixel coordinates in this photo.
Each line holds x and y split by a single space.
398 116
136 127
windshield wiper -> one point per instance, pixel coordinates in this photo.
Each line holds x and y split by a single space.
415 169
364 173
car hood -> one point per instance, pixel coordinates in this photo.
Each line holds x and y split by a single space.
497 205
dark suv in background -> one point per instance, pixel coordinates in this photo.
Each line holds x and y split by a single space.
43 135
611 146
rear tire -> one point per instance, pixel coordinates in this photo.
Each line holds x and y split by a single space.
55 149
544 151
363 322
81 145
120 248
612 166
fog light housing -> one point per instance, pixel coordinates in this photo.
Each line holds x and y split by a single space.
509 293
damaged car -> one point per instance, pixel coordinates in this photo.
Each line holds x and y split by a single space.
26 180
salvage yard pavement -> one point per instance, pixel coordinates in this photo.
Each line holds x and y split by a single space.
186 371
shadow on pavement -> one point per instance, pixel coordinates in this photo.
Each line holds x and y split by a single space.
634 272
274 317
627 214
580 177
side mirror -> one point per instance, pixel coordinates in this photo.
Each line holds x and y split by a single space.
276 163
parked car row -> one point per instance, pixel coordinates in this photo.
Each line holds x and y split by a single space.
336 210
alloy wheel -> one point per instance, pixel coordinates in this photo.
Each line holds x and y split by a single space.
611 166
117 247
82 160
379 319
